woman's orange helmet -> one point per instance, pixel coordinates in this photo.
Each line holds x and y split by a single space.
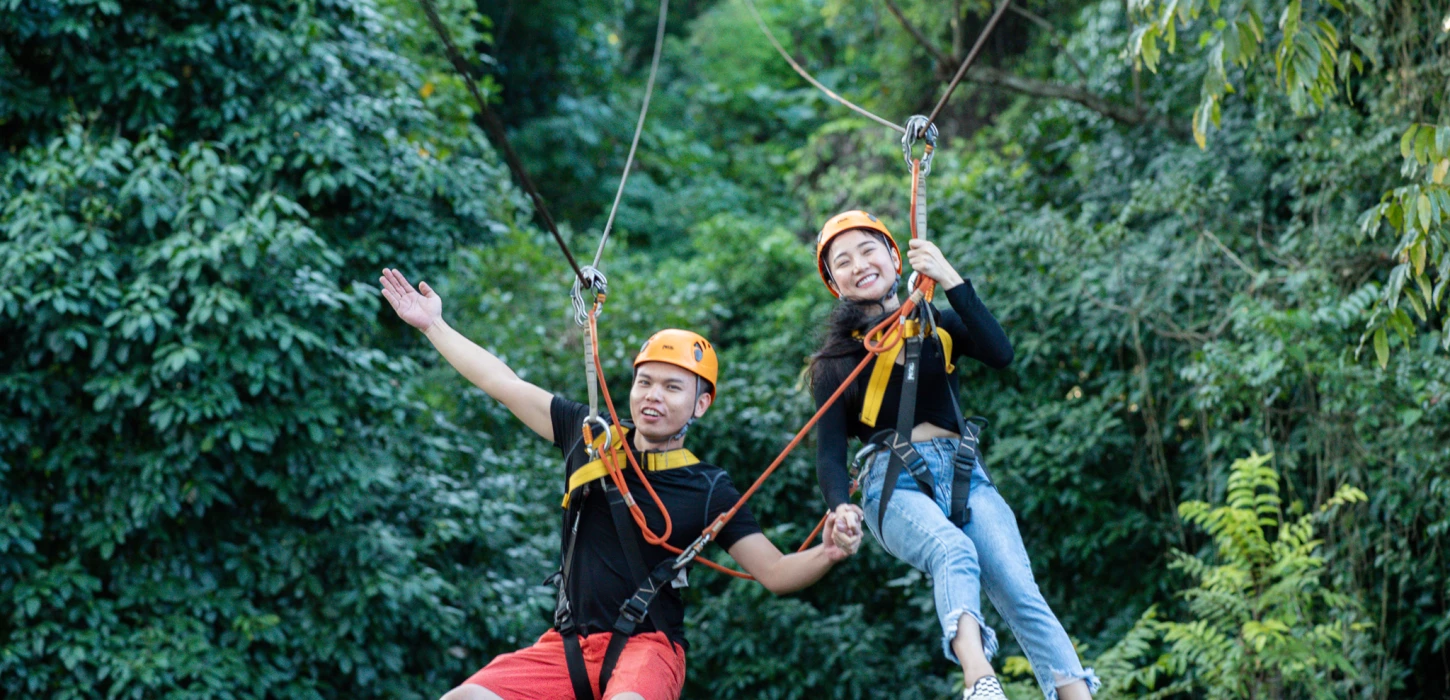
682 349
841 223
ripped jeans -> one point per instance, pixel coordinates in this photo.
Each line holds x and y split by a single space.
985 554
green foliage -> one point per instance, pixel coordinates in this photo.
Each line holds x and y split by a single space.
1310 59
226 473
1415 214
213 483
1264 620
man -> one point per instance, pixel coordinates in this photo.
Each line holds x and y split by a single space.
619 617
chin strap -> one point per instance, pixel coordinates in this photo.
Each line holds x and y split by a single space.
683 429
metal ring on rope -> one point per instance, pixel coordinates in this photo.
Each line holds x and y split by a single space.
597 282
608 436
919 127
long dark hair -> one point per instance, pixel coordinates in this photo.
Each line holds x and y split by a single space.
840 348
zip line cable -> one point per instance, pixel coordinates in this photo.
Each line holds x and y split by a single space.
956 79
496 130
971 58
649 87
759 22
884 335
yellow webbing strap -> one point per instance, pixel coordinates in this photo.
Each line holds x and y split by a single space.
881 372
653 461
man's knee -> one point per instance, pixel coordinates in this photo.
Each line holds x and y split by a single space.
470 692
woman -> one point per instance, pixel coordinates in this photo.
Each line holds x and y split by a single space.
861 264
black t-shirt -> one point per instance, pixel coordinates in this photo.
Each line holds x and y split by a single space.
600 579
975 333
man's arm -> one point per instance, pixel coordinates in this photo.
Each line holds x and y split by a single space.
424 310
788 573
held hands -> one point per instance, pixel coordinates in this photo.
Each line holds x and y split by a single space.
419 309
927 259
842 533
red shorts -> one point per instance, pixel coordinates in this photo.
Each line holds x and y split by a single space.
650 665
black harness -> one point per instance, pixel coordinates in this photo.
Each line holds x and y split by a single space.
632 612
903 456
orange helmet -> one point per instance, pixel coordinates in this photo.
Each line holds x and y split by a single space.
682 349
841 223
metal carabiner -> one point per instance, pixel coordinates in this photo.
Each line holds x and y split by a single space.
919 127
596 282
861 463
608 436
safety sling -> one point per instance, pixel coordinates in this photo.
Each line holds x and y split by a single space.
898 441
637 607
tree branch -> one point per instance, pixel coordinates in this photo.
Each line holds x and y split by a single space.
985 75
1040 88
1057 40
944 62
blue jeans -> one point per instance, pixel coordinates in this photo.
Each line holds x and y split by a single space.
985 554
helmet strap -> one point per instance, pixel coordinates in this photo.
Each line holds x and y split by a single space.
891 293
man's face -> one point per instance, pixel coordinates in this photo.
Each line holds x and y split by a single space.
663 398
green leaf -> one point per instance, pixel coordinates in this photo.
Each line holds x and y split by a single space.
1382 347
1396 283
1424 144
1422 205
1418 306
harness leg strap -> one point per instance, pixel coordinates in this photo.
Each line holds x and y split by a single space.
578 672
617 642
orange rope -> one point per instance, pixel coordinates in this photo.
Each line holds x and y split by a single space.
880 338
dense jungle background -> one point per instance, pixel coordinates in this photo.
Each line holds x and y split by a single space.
1214 231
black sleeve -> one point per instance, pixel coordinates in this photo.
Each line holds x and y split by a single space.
568 419
975 332
722 497
831 449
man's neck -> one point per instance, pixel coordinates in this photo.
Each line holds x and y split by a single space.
644 444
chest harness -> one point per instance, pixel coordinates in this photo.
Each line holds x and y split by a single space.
897 441
637 607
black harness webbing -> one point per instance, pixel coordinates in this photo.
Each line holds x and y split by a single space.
904 456
637 607
563 614
963 462
631 613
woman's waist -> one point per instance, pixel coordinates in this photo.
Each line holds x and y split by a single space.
928 429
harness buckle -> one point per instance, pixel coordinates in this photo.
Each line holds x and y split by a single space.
563 614
635 609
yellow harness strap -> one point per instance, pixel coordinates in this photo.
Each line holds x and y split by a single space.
881 372
653 461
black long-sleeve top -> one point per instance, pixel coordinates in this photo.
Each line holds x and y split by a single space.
975 333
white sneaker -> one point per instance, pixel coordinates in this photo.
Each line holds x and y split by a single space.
986 688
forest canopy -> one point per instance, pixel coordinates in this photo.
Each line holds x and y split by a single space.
1215 233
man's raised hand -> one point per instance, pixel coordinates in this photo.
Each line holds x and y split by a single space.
420 308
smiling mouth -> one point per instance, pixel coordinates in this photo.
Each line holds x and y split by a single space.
652 413
868 280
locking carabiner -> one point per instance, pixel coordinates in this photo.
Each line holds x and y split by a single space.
919 127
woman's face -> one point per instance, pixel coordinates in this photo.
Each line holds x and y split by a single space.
862 265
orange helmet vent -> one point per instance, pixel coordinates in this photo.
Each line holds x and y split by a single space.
682 349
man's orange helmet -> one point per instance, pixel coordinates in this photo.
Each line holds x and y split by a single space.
682 349
841 223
